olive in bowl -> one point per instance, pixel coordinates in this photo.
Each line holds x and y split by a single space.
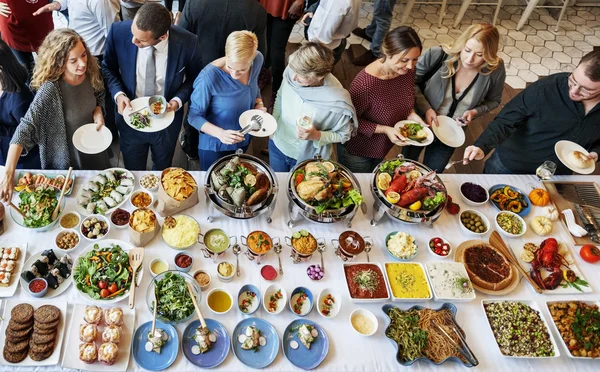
474 222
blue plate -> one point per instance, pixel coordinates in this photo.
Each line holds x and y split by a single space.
151 360
525 198
393 255
451 307
302 357
265 354
218 350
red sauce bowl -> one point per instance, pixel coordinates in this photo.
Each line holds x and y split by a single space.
38 287
183 262
268 272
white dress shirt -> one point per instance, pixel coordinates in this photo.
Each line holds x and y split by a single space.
160 59
92 19
333 21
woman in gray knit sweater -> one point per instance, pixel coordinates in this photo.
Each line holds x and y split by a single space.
463 80
70 93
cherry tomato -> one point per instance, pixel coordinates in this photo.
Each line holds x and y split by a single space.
104 293
113 288
102 284
299 178
590 253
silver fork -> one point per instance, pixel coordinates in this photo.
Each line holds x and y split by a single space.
255 124
449 165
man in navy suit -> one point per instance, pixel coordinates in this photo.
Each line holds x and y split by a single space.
144 57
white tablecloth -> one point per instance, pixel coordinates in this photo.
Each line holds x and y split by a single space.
348 351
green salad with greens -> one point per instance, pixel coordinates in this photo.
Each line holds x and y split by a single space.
103 273
140 120
174 301
38 206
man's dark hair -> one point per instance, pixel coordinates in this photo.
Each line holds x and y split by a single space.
13 75
591 65
155 18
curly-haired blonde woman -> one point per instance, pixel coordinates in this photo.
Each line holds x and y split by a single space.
223 90
463 80
70 93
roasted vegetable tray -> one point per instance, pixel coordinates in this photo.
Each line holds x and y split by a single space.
509 198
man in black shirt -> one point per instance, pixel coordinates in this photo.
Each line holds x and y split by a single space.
560 107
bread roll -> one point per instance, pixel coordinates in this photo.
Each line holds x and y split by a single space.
580 160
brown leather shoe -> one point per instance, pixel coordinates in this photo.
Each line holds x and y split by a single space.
360 32
364 59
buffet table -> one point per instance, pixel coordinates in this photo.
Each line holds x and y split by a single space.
348 350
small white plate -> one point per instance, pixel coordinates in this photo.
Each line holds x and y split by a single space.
156 124
564 148
71 355
90 141
16 274
60 331
51 292
428 141
269 124
449 132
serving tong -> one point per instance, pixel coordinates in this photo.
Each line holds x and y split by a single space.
464 350
256 122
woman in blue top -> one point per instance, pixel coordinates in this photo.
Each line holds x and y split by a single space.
15 99
223 90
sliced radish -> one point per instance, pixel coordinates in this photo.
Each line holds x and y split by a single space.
294 345
314 332
248 331
148 346
262 341
242 338
164 335
212 337
195 349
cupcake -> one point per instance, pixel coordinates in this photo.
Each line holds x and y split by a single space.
111 334
88 352
88 332
93 314
107 353
113 316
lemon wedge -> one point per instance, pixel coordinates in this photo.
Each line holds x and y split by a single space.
415 206
383 181
393 197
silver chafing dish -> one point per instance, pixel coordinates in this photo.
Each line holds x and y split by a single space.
298 207
241 210
382 206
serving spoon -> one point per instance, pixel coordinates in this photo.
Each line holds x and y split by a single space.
236 251
278 249
321 249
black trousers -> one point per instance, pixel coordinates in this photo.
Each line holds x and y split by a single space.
169 5
278 33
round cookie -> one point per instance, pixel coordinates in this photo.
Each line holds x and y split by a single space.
16 347
19 326
40 348
22 313
39 338
14 340
46 326
40 356
46 314
14 357
18 334
44 331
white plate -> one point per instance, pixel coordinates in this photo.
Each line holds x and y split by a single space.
534 306
269 124
102 244
84 212
14 281
51 292
518 248
564 148
71 355
428 141
405 299
462 269
449 132
548 303
368 300
156 124
60 331
90 141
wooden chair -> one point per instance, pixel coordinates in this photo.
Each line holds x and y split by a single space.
532 4
467 3
411 3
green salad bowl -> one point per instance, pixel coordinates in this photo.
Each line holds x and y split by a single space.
172 287
16 216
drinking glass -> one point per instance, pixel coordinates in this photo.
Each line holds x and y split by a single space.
546 170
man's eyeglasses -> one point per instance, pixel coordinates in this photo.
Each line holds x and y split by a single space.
576 85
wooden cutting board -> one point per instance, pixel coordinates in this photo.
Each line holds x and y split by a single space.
561 204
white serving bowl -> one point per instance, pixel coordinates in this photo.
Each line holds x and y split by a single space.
444 241
147 175
67 213
483 218
157 260
225 279
506 233
137 192
367 314
273 288
337 304
224 291
63 232
471 202
99 218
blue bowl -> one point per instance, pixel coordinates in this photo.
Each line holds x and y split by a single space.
393 255
38 294
310 301
451 307
256 306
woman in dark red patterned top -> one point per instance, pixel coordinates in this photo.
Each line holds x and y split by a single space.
383 94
